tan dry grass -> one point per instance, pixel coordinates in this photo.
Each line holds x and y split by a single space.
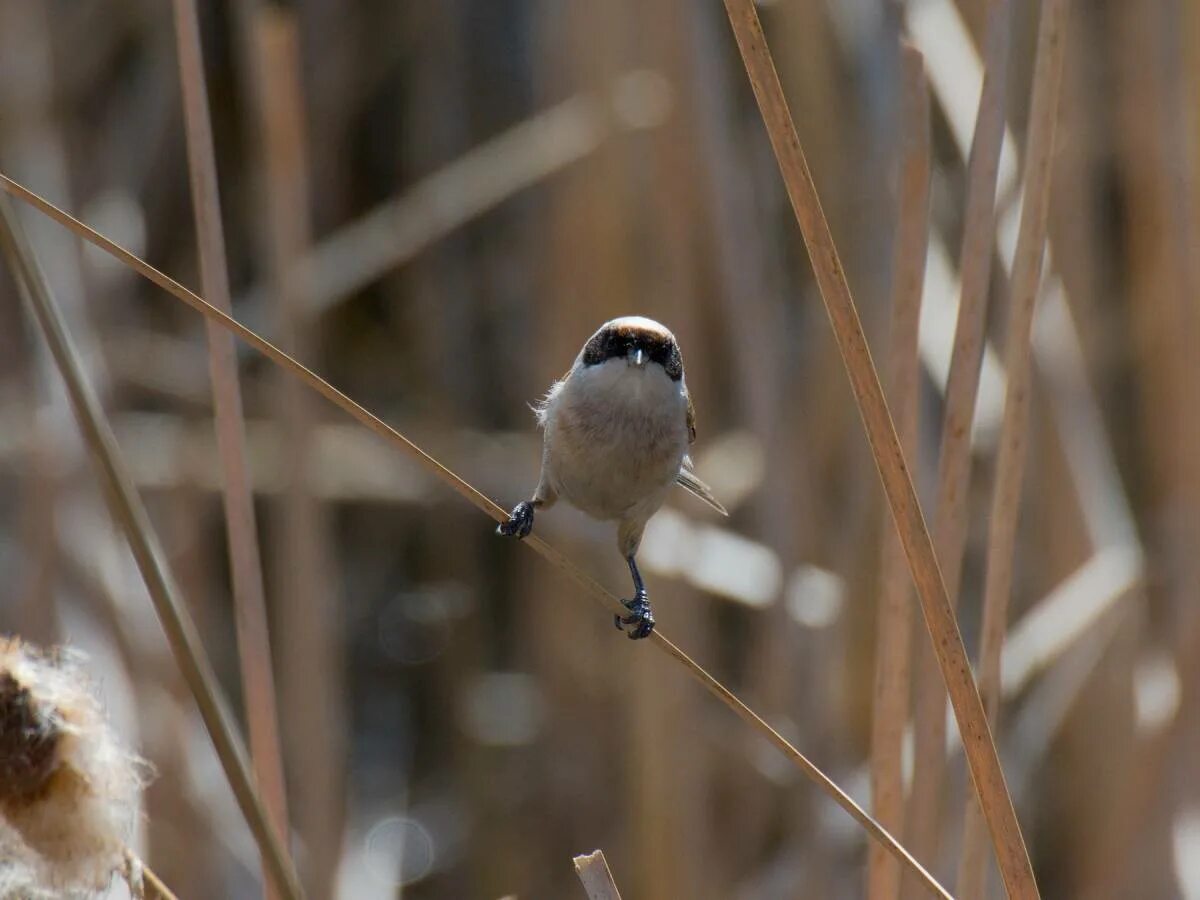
1014 432
894 629
962 387
982 759
245 559
591 587
129 512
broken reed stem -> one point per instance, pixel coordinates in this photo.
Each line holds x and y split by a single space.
1014 430
893 658
592 869
590 586
962 387
982 759
245 560
127 508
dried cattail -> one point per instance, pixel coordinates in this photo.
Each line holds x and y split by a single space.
67 787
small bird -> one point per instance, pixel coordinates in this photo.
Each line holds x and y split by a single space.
617 428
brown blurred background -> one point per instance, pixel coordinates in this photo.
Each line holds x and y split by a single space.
433 205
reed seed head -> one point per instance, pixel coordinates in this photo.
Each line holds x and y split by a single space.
67 788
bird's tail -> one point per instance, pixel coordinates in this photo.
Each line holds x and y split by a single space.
687 480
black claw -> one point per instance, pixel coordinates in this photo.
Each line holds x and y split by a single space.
641 617
520 521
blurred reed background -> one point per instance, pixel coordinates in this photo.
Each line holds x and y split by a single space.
433 205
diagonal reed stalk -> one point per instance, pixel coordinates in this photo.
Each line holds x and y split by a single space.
962 387
590 586
982 759
245 560
893 644
127 509
1014 431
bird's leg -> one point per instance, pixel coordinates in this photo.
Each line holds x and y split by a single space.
640 615
520 520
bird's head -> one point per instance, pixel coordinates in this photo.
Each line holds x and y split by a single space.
639 342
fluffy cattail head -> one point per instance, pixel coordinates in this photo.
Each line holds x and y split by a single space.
67 788
28 741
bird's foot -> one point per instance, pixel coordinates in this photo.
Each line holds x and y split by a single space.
520 521
641 617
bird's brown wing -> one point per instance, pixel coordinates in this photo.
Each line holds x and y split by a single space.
686 478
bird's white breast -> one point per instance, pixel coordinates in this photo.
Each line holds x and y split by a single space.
616 435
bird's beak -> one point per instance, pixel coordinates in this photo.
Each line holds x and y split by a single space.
639 357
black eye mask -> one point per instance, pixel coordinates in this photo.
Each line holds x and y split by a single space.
616 343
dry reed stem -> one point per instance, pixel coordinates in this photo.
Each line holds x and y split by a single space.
308 639
249 601
962 387
1079 609
127 509
483 503
982 759
1057 343
592 869
481 179
1072 616
893 659
1006 492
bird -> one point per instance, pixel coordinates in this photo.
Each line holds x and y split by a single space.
616 433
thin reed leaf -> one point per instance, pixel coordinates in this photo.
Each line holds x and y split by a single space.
245 560
893 662
982 759
1014 432
128 510
962 388
590 586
